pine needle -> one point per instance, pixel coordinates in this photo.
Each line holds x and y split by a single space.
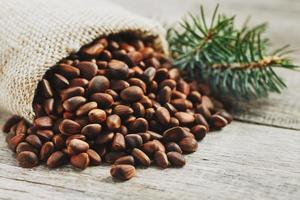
232 61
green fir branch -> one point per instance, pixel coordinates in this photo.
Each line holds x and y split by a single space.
231 60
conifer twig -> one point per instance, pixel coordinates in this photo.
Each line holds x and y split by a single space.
231 60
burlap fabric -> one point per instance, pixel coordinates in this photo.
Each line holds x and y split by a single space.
36 34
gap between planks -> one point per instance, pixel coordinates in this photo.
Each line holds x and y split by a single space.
241 161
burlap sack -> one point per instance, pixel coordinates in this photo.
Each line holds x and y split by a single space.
36 34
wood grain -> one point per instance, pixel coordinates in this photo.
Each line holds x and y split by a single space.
278 110
241 162
282 110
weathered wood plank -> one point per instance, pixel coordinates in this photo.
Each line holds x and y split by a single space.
242 161
281 110
278 110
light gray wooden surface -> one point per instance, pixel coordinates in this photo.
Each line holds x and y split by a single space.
243 161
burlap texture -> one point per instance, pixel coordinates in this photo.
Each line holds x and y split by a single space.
36 34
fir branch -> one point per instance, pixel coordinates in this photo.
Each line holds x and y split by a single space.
233 61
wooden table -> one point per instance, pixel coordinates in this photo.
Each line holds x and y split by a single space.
256 157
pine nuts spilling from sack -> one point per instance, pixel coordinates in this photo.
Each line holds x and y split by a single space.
119 101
